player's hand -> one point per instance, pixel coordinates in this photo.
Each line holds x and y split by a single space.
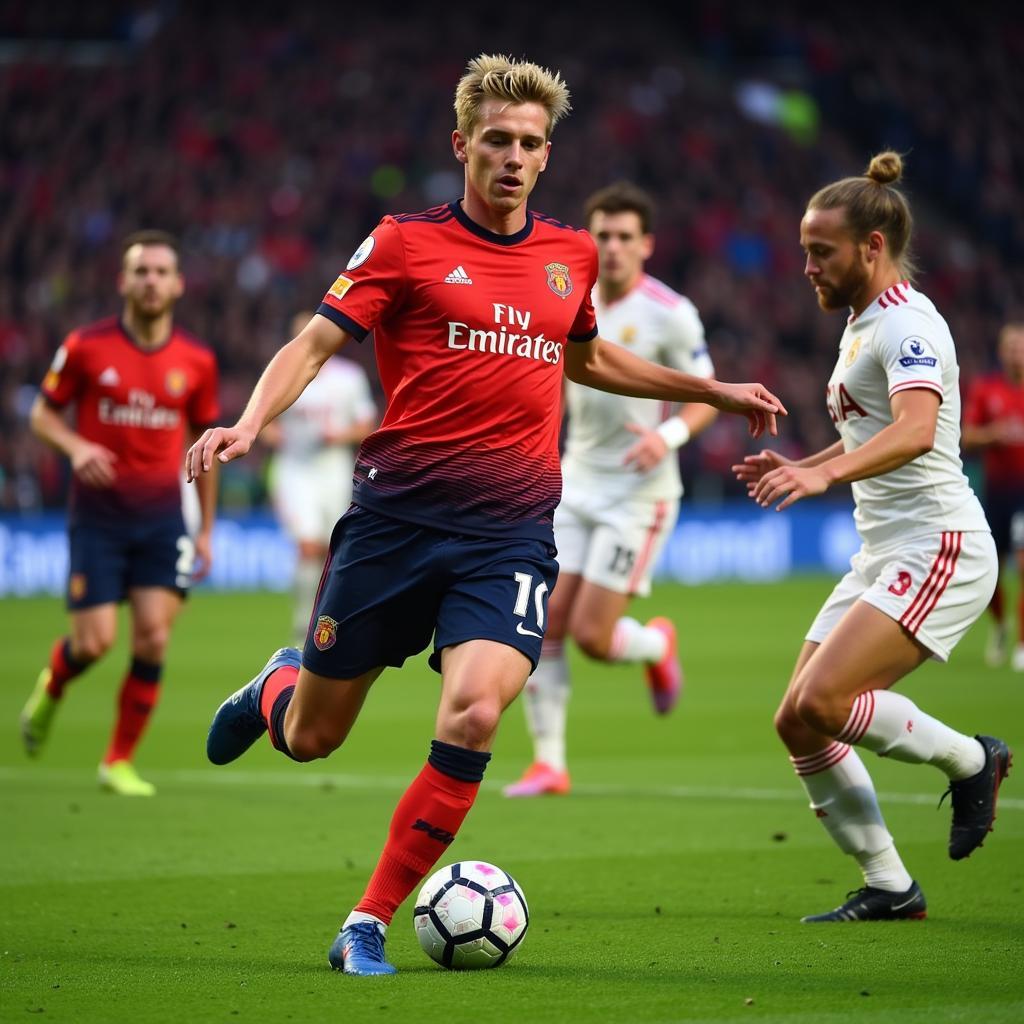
224 443
790 483
648 451
93 464
754 401
753 467
204 556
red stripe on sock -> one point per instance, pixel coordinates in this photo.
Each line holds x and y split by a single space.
861 713
61 673
425 821
811 764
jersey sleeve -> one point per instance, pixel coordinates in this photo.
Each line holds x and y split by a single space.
63 381
370 285
204 405
584 327
909 348
686 347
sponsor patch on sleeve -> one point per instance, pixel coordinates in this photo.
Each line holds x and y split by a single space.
341 286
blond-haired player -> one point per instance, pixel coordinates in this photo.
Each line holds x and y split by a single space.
479 307
927 564
620 487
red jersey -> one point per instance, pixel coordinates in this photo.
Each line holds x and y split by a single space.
991 399
137 402
469 328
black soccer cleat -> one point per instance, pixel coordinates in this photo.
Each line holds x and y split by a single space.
871 904
974 799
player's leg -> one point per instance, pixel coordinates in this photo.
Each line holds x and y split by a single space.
153 611
546 696
1017 543
310 557
623 553
480 678
997 510
95 584
548 690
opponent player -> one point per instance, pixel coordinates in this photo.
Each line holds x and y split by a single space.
139 383
312 472
927 566
994 423
620 487
476 307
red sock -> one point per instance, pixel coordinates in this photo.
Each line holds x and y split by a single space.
273 688
139 693
63 667
425 822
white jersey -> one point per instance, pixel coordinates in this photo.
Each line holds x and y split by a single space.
900 342
661 326
337 398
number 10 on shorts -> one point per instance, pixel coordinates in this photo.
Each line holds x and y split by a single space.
525 581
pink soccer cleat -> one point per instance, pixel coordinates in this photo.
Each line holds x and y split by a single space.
665 677
539 780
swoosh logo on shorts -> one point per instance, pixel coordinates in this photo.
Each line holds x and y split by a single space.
527 632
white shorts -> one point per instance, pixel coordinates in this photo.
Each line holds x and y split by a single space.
309 498
934 586
614 545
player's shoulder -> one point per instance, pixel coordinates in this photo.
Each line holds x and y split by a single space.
423 220
903 310
96 332
551 227
659 294
192 343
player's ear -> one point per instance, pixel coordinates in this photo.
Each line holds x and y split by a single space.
179 285
459 144
875 246
646 246
547 153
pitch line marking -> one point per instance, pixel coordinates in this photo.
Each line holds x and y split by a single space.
321 780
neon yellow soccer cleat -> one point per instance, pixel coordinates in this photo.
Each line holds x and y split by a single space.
37 716
121 778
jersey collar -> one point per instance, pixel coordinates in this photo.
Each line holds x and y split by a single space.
490 236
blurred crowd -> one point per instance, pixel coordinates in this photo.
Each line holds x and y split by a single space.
272 142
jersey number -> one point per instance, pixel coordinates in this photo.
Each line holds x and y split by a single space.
186 561
622 561
522 606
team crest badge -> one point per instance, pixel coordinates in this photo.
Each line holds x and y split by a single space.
326 633
175 383
77 586
628 335
559 280
852 352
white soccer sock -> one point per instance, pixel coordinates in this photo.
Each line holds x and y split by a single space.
358 917
634 642
304 587
843 799
545 700
893 726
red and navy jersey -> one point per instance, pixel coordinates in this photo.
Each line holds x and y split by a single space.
992 399
137 402
469 328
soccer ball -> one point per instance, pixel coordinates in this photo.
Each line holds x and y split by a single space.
470 915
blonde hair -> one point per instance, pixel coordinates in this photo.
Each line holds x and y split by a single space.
873 203
495 76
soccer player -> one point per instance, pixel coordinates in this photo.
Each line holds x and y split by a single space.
927 564
620 488
478 307
312 472
994 423
139 383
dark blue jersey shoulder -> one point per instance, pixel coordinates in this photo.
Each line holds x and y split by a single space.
543 218
435 215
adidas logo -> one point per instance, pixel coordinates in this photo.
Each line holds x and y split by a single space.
458 276
110 378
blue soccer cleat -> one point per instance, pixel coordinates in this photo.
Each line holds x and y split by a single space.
871 904
359 949
238 724
974 799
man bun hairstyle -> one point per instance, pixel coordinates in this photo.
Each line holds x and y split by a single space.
495 76
622 197
872 202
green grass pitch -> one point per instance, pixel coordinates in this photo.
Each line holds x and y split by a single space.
667 887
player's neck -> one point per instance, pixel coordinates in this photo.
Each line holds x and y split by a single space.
875 286
147 332
500 222
612 291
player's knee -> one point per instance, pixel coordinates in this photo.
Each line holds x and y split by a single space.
788 723
310 743
821 711
93 645
150 642
594 643
474 725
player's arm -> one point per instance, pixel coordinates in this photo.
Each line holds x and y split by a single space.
753 467
206 489
607 367
915 414
984 435
92 463
283 380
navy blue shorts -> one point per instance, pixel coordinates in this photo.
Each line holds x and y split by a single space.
106 561
389 586
1005 513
